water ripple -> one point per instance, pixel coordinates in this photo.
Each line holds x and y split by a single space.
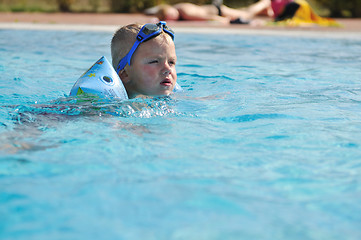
254 117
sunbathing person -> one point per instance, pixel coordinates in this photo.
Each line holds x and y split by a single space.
212 12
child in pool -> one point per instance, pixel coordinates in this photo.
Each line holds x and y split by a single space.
144 58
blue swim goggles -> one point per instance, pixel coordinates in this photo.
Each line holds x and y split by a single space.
148 31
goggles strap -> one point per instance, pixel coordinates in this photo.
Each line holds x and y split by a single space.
128 57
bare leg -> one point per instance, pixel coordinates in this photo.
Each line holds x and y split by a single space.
258 7
189 11
246 13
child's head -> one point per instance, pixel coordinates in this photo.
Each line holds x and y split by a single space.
145 67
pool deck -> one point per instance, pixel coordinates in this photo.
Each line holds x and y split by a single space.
351 28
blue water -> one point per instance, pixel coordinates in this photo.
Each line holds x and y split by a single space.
264 142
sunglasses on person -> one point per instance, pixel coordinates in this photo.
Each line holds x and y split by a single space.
148 31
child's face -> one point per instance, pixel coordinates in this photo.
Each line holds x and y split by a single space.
152 70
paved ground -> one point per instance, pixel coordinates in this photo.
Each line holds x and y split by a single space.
351 27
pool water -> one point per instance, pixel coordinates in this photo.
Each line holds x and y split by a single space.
264 142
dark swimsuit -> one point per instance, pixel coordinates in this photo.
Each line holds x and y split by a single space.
289 11
218 8
235 21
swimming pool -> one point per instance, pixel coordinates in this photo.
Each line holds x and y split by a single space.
264 143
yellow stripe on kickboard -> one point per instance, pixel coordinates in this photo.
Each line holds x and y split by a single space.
80 91
84 96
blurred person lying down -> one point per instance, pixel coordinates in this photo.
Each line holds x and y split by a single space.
216 11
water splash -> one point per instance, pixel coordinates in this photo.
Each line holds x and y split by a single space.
89 106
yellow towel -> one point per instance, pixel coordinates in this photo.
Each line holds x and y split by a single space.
305 16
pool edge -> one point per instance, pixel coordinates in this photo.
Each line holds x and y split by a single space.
203 30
